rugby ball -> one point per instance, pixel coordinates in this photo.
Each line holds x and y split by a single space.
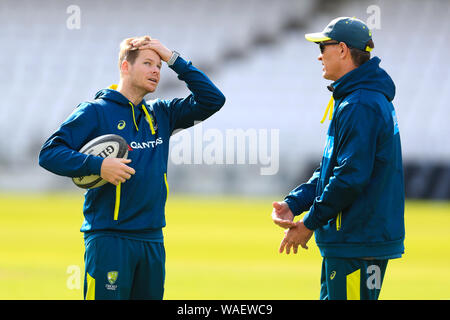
106 146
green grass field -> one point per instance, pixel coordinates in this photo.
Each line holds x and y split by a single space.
217 248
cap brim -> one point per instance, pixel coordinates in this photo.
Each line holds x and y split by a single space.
316 37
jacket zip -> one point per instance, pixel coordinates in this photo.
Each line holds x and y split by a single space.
117 205
339 221
118 187
167 185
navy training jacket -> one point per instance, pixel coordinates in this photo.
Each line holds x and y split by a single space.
137 208
355 199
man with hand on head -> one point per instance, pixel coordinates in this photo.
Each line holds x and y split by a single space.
123 220
355 199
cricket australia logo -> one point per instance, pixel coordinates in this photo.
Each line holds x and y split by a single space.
112 278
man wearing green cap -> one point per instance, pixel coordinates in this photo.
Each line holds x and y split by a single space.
354 201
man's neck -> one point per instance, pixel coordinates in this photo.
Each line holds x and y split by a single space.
133 94
346 69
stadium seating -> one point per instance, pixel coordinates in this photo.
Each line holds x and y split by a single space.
255 52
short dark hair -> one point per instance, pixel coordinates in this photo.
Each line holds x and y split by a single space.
361 56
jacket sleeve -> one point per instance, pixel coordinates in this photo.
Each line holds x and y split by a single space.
357 129
301 198
205 98
59 153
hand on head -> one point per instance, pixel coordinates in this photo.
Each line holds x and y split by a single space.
147 42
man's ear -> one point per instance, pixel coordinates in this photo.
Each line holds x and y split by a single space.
344 50
124 67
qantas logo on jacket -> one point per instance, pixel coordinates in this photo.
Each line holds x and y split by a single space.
145 145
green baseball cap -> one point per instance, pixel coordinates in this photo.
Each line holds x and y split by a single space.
351 31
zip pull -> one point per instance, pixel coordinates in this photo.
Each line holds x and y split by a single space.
134 117
339 221
330 106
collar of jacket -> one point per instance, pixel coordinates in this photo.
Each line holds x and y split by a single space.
367 76
112 94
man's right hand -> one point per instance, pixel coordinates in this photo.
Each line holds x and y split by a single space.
282 215
115 170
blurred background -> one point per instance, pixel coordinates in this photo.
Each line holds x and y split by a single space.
58 53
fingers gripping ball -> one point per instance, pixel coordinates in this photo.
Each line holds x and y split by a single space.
106 146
